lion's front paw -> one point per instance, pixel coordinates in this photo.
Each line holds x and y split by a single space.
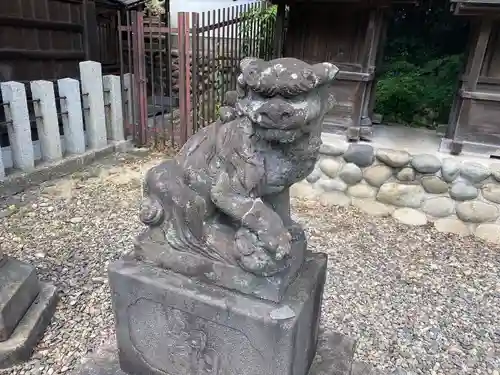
253 256
277 243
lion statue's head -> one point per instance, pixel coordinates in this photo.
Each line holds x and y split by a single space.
285 98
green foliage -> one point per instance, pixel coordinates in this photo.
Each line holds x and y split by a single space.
418 96
257 30
422 61
155 7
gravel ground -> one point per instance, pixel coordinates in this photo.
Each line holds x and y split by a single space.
419 301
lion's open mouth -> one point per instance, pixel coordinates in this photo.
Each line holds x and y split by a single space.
278 135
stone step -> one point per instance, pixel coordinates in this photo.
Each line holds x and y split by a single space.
30 329
18 289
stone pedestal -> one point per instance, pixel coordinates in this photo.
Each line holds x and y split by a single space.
228 276
334 356
26 307
168 323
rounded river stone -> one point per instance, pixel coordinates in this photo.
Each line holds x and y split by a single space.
406 175
489 233
491 192
362 191
351 174
434 185
333 148
359 154
303 190
426 163
393 158
401 195
438 206
335 198
377 175
330 167
314 176
373 208
450 169
461 191
495 171
474 172
409 216
450 225
333 185
476 212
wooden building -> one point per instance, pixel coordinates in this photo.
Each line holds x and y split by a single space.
46 39
475 118
348 33
351 34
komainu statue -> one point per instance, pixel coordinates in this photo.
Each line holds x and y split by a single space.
220 209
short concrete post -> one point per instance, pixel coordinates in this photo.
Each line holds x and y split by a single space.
128 79
19 129
2 177
93 104
47 123
114 106
71 109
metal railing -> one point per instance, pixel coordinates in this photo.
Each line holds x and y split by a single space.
175 79
220 40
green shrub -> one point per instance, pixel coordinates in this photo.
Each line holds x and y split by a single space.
257 31
418 95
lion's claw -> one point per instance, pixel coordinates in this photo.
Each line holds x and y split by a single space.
254 256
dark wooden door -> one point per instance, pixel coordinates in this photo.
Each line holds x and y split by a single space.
40 39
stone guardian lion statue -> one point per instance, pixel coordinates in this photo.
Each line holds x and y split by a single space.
225 197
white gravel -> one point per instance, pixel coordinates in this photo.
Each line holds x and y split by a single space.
419 301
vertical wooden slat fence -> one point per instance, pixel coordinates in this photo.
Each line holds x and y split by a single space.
179 76
220 40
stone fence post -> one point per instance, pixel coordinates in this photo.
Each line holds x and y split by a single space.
72 118
2 169
87 123
114 107
47 122
18 128
93 104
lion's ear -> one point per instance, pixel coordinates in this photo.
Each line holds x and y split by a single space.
246 62
326 72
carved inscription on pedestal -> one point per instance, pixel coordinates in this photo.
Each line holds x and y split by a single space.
175 342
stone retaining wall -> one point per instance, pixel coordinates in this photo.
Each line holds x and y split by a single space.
459 197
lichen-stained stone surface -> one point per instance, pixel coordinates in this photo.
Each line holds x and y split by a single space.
220 280
169 323
219 211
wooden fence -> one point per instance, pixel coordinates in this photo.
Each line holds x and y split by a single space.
181 75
